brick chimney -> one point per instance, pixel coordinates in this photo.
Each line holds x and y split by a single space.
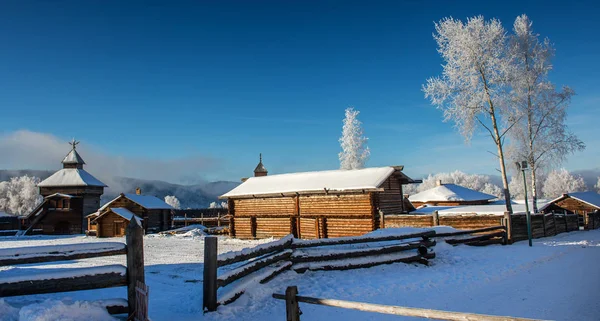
438 182
138 191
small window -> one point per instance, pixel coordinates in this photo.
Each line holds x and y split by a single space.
65 203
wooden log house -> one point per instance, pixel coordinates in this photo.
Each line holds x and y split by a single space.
69 195
450 195
316 204
574 203
112 218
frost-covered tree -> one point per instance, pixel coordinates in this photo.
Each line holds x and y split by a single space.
598 185
481 183
224 205
541 136
473 90
561 181
173 201
19 195
213 205
354 152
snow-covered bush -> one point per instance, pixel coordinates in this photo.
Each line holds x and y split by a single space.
19 196
173 201
561 181
354 152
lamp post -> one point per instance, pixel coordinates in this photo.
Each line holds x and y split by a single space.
522 166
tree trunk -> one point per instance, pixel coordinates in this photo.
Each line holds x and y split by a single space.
498 141
534 189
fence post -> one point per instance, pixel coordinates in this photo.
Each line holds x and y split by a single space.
508 224
291 304
436 218
209 281
185 219
381 219
202 219
566 222
218 219
135 260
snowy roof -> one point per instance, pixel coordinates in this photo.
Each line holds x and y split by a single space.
71 177
313 182
590 198
60 195
450 192
147 201
73 158
126 214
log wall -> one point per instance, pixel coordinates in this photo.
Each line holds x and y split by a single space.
265 206
408 220
470 222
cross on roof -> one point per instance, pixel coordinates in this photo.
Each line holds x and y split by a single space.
73 143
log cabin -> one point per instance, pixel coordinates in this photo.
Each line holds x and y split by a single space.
450 195
69 195
316 204
578 203
153 213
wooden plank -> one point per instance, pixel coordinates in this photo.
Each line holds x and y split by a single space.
487 229
253 266
62 253
403 311
54 283
476 238
419 258
298 258
313 243
135 261
251 253
210 274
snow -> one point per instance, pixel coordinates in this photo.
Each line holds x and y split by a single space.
334 180
126 214
51 310
62 273
450 192
73 158
232 254
45 250
71 177
551 280
60 195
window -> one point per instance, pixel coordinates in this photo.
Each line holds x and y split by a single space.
65 203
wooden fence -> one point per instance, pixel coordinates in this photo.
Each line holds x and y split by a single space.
76 279
292 309
544 225
302 255
459 221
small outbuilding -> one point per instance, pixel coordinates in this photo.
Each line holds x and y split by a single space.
316 204
450 195
152 213
578 203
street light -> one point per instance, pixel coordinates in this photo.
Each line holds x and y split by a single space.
522 166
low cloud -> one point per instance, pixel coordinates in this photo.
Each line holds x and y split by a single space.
25 149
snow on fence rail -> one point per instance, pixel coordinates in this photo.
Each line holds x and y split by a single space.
292 308
77 279
271 259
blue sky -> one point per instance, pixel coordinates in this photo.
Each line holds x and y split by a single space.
221 81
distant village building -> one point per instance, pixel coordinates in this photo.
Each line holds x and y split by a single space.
450 195
112 218
316 204
69 195
577 203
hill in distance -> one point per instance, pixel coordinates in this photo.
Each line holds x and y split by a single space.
190 196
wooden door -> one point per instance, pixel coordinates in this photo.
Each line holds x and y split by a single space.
119 228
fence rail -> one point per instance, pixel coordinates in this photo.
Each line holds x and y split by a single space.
292 299
64 280
301 255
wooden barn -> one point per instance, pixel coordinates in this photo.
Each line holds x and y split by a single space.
450 195
69 195
316 204
154 214
574 203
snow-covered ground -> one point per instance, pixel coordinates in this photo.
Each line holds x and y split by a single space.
555 279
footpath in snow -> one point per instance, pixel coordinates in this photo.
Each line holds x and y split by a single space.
553 280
